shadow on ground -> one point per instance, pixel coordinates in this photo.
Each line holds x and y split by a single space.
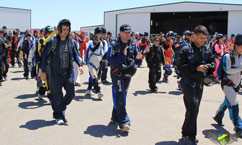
18 72
212 134
101 130
175 93
143 92
17 79
180 142
26 96
33 105
37 124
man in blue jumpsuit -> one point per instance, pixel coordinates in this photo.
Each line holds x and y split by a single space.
58 57
123 56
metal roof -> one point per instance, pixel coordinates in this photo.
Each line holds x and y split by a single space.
175 3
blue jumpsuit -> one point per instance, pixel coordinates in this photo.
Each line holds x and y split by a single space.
120 83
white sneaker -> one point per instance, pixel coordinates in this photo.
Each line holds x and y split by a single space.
100 95
60 121
89 92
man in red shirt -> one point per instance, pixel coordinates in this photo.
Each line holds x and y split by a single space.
83 46
230 43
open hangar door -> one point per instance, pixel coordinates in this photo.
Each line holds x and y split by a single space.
181 21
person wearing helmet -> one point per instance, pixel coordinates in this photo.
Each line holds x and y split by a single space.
84 43
232 68
194 61
218 49
144 44
155 58
93 58
57 60
27 46
45 35
35 34
104 63
169 51
123 56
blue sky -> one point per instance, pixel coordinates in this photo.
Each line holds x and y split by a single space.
80 12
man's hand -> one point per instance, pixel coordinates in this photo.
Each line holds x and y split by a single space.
139 55
177 45
202 68
81 70
43 76
147 49
126 50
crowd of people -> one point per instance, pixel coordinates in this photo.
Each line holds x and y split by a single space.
55 57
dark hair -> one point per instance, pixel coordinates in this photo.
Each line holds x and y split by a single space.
232 35
156 38
41 30
201 29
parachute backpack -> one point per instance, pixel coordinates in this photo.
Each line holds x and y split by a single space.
220 72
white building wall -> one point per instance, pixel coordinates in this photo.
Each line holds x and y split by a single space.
139 22
234 22
110 16
15 18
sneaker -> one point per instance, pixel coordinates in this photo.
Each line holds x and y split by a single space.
89 92
77 84
155 89
125 128
165 79
219 122
189 141
60 121
100 95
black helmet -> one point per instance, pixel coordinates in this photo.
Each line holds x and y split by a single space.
170 33
209 80
187 32
98 30
238 39
104 30
129 70
146 33
48 29
64 22
219 36
28 34
168 70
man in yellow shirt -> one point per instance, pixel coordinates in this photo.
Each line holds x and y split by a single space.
45 35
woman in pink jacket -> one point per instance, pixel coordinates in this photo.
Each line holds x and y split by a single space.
219 50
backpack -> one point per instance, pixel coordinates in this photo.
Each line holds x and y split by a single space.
220 72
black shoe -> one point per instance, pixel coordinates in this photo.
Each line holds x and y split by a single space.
189 141
105 82
239 134
219 122
154 89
